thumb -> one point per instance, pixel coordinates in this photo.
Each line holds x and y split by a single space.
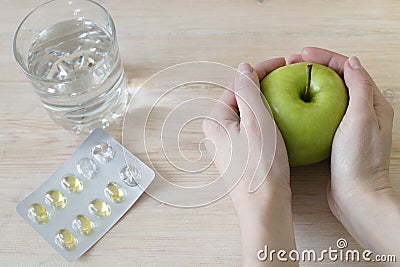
247 92
361 89
258 125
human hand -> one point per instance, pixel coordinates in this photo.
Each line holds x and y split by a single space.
360 186
242 135
361 146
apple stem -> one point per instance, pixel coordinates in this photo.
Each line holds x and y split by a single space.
307 92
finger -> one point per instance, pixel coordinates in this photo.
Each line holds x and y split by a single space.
295 58
361 95
248 98
325 57
265 67
383 109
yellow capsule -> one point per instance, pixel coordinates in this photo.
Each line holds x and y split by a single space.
83 224
38 213
114 192
56 199
72 184
99 208
65 239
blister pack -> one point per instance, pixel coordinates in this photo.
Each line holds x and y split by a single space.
87 195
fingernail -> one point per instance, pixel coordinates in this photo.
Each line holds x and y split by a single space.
245 68
354 63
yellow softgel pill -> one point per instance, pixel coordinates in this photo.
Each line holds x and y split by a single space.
99 208
65 239
38 213
114 192
83 224
72 184
56 199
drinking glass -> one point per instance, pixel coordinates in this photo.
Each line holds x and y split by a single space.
69 52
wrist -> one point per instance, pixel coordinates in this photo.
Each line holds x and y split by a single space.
372 219
346 194
351 205
263 202
270 226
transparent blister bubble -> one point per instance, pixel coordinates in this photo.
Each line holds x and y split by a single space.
103 152
130 175
87 168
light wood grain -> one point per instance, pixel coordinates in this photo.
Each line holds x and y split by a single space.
156 34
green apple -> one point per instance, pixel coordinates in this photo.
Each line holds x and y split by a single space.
308 102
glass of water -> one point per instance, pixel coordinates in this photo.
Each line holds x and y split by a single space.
68 50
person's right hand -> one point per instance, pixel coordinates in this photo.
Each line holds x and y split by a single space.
360 194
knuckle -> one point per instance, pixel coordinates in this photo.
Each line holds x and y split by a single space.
366 83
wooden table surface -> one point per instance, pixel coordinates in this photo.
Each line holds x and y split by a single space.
156 34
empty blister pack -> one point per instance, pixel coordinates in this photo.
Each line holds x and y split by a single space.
87 195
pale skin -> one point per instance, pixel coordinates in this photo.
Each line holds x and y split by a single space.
360 194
